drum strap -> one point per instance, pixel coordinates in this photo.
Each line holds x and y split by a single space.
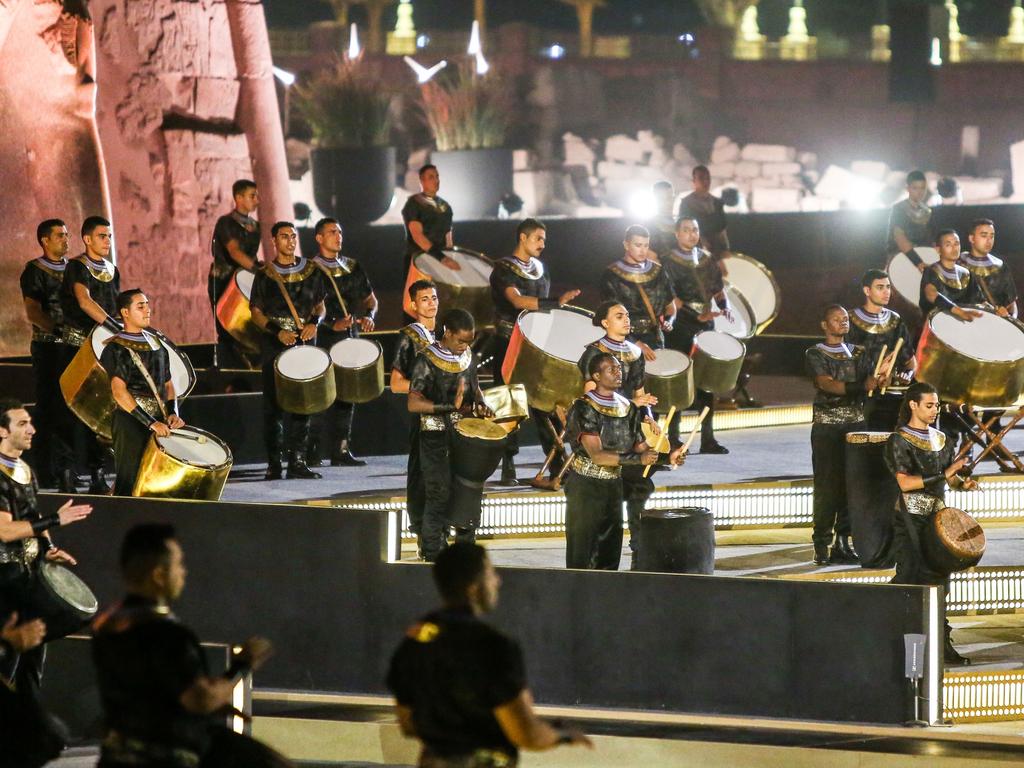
284 292
334 285
647 304
149 380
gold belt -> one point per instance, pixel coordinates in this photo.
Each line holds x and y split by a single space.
74 336
432 422
23 552
286 323
43 336
583 466
150 405
843 414
922 504
130 751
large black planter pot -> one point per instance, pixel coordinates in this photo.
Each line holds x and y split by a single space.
355 186
474 180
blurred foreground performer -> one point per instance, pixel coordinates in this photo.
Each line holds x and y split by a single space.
428 221
459 684
992 275
162 707
910 221
709 212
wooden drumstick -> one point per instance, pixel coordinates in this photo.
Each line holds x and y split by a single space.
878 365
696 428
189 436
888 373
662 437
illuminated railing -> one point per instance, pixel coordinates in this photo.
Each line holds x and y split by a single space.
983 696
747 418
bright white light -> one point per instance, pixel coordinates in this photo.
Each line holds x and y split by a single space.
481 64
642 205
423 74
863 193
936 60
555 51
423 41
287 78
475 47
353 43
685 38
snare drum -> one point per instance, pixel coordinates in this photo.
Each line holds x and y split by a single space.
757 285
669 377
980 362
60 599
905 277
717 360
189 464
234 314
304 379
740 322
543 354
467 288
358 370
954 541
478 446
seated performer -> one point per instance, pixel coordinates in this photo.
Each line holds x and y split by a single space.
235 244
946 285
520 282
428 221
874 326
991 274
842 375
351 307
604 431
443 387
161 706
413 339
637 489
88 297
697 281
140 382
708 211
921 459
910 221
288 303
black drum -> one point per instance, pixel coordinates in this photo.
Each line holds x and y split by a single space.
882 412
62 600
677 541
871 496
477 448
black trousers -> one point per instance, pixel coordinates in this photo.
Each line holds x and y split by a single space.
828 459
435 464
415 488
336 421
911 565
636 490
274 422
593 523
130 441
681 338
51 411
71 430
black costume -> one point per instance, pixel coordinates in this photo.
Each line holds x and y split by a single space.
996 275
129 433
627 284
435 214
663 234
435 375
103 280
245 230
307 288
353 285
709 211
452 670
412 340
41 281
956 287
873 331
834 417
530 280
915 221
593 493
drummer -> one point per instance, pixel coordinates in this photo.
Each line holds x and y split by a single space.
709 211
428 221
874 326
842 375
351 308
88 296
520 283
286 323
699 288
946 285
140 383
910 221
992 274
443 387
40 293
413 339
662 225
235 244
921 459
604 432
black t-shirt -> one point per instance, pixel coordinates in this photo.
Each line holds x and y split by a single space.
630 357
710 215
696 279
233 226
117 361
925 454
958 286
18 492
41 280
353 285
846 363
412 340
997 276
434 214
663 234
452 671
530 279
306 286
436 373
616 421
623 281
145 659
915 221
874 331
103 283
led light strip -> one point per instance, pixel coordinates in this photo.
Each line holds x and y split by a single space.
745 418
983 696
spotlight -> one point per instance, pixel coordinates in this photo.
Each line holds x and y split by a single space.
422 41
643 206
554 52
286 78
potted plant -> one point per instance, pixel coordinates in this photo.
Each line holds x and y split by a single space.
469 115
349 113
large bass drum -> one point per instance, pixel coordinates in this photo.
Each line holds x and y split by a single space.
906 278
234 313
979 362
740 321
757 285
189 464
358 370
954 541
304 379
62 600
669 377
544 352
468 287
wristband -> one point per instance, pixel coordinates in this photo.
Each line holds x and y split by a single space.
854 388
172 406
45 545
629 459
111 324
545 305
440 410
915 259
41 524
143 417
314 320
939 478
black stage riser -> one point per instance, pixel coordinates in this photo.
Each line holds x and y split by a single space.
313 581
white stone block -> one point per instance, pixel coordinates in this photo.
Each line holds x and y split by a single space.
722 170
748 170
807 159
648 141
766 182
725 150
1017 166
577 151
623 149
791 182
813 204
536 188
520 159
870 169
607 170
768 153
765 200
979 190
781 169
681 154
896 179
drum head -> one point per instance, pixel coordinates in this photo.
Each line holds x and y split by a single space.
742 324
756 284
244 278
481 429
667 362
720 346
183 375
960 533
355 353
302 363
69 588
98 339
560 333
988 338
474 272
195 447
903 275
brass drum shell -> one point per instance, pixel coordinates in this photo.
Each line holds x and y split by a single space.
305 396
713 374
235 316
361 384
677 390
86 389
162 475
474 299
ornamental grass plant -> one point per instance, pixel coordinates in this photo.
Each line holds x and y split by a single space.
465 110
346 107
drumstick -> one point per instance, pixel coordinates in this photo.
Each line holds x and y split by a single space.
662 437
878 365
558 446
189 436
895 354
696 427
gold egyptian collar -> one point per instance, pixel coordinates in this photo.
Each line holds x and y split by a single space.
616 406
421 338
433 202
686 260
105 275
836 354
339 268
936 440
132 341
514 265
446 361
963 276
628 352
992 265
891 320
16 469
290 277
636 277
47 266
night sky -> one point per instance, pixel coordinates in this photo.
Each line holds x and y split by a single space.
843 17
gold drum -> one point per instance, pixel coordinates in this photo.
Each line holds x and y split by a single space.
304 379
468 287
234 313
358 370
717 360
669 377
509 404
189 464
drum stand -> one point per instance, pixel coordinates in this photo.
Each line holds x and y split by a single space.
980 433
740 397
